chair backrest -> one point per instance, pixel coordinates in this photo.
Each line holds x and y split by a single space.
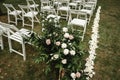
64 2
88 6
24 9
91 0
29 2
7 27
9 7
77 14
45 3
82 15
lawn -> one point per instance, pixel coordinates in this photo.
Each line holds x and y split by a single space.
107 62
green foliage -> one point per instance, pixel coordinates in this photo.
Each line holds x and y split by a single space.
59 47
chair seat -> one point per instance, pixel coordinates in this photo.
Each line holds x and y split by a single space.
25 32
17 12
73 4
64 8
90 2
57 3
88 5
78 22
46 7
87 11
34 5
31 14
17 36
78 1
53 16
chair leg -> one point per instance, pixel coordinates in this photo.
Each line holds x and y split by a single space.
2 47
8 18
32 23
23 21
23 51
16 20
10 45
84 33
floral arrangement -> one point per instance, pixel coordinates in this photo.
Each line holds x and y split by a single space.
59 48
93 45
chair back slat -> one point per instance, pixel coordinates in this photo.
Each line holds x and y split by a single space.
9 7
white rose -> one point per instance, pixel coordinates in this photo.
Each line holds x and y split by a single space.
56 56
64 61
65 29
73 75
48 41
58 43
64 45
66 51
71 37
72 52
66 35
78 74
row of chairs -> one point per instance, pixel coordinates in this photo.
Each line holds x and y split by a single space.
56 8
27 11
14 34
81 19
66 9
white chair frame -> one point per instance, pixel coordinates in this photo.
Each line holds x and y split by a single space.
11 11
33 5
89 10
46 6
78 21
91 3
75 3
1 39
63 10
27 12
16 35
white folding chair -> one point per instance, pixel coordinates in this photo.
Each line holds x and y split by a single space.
63 9
3 29
75 3
46 6
16 35
78 18
33 5
1 39
11 11
29 14
91 3
89 10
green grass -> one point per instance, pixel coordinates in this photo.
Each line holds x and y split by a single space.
107 63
